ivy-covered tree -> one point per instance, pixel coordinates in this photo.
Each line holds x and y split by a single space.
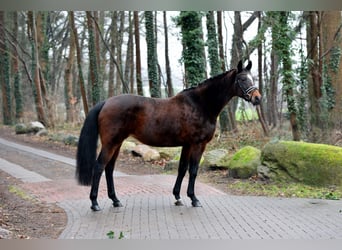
282 40
152 63
18 95
94 76
193 54
332 72
5 74
214 61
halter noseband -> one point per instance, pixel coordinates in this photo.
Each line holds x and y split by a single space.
246 92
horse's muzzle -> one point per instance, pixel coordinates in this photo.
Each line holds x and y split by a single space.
255 98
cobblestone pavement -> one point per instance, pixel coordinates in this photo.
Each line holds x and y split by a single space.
149 212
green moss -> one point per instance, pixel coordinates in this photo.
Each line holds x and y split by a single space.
19 192
313 164
281 189
245 162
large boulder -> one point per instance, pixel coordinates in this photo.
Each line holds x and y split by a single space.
146 152
310 163
128 146
216 158
32 127
169 153
245 162
35 126
21 128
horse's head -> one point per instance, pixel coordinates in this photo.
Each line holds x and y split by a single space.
245 84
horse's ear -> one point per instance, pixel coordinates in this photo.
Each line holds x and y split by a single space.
249 66
239 67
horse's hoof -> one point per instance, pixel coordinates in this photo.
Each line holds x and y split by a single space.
179 203
196 203
117 204
95 208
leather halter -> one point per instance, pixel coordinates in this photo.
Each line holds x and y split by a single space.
247 93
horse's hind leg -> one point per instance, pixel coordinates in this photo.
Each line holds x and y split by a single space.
102 160
110 181
98 170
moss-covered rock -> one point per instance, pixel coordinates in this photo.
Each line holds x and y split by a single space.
21 128
310 163
244 163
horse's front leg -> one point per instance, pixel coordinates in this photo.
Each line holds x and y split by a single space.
183 166
196 154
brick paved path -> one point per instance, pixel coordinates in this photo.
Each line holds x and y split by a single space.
149 212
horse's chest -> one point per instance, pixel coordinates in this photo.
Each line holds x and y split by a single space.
198 128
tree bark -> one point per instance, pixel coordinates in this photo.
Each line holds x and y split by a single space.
35 69
70 99
5 74
170 91
18 95
151 55
79 63
314 76
129 55
137 54
332 85
260 108
93 64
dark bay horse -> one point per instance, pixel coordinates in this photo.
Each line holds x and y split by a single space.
187 119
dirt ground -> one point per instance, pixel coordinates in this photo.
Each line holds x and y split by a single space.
31 218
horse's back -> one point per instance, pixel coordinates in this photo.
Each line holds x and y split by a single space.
153 121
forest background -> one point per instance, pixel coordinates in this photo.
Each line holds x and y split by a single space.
55 65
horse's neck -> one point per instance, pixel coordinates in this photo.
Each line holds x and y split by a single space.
217 95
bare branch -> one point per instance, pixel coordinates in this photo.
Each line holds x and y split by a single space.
111 56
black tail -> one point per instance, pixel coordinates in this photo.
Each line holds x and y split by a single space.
87 145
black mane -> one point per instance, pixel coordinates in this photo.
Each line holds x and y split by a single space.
209 80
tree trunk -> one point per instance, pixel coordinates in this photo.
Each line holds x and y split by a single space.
314 76
260 108
170 91
193 47
332 72
137 53
43 65
273 92
93 64
151 55
5 74
79 63
220 41
119 41
70 99
18 95
113 35
214 61
35 70
283 46
129 54
236 55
